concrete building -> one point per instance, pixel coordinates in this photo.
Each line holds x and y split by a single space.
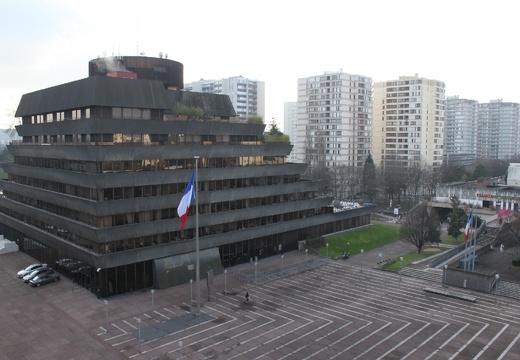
409 121
460 131
246 95
290 118
498 130
334 123
104 161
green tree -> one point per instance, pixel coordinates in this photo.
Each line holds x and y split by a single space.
480 171
421 226
369 179
457 218
274 134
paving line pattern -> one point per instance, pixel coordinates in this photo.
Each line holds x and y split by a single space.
335 311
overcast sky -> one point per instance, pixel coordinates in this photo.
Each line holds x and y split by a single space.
470 45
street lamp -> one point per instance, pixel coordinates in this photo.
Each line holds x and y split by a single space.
327 249
348 247
445 272
496 286
362 260
152 292
225 282
400 276
256 263
191 294
282 263
139 331
306 252
106 315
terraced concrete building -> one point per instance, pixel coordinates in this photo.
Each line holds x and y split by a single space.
104 161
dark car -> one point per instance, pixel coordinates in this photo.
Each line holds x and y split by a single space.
37 272
29 269
45 279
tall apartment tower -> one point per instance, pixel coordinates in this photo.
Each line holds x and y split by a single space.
409 121
247 96
460 131
334 124
290 117
498 130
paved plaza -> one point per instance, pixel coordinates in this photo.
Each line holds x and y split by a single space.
342 310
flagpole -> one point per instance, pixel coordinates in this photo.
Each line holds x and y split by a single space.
474 242
197 255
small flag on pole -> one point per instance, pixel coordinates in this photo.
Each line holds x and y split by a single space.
468 226
184 205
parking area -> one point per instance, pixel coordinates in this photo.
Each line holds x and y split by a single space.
345 309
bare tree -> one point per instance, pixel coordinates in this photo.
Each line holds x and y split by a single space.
421 226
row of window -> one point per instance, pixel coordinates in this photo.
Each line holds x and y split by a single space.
162 238
146 164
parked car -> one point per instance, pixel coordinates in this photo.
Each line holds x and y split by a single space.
45 279
72 265
37 272
29 269
63 262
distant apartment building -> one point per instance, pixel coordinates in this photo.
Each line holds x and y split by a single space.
460 131
290 117
247 96
409 121
498 130
334 122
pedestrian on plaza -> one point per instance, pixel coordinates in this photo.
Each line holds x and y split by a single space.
98 292
247 296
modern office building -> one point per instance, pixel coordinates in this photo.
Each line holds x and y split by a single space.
498 130
290 118
247 96
334 122
460 131
103 164
409 122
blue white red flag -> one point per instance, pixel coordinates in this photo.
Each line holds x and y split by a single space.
468 226
184 205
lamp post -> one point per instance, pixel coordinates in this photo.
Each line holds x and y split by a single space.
445 272
139 332
106 316
225 282
152 292
361 261
256 265
191 295
400 267
327 245
282 263
348 247
496 285
306 252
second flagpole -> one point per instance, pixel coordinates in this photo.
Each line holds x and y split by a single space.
197 255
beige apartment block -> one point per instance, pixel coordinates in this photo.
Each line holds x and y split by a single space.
408 120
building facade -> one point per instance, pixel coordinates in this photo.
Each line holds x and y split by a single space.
498 130
104 161
409 122
246 95
460 131
290 118
334 121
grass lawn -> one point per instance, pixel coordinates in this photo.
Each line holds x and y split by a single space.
408 258
366 238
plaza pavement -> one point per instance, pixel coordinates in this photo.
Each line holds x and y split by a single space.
345 309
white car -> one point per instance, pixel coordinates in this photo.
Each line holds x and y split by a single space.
29 269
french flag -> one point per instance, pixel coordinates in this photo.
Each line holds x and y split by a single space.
468 226
184 206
